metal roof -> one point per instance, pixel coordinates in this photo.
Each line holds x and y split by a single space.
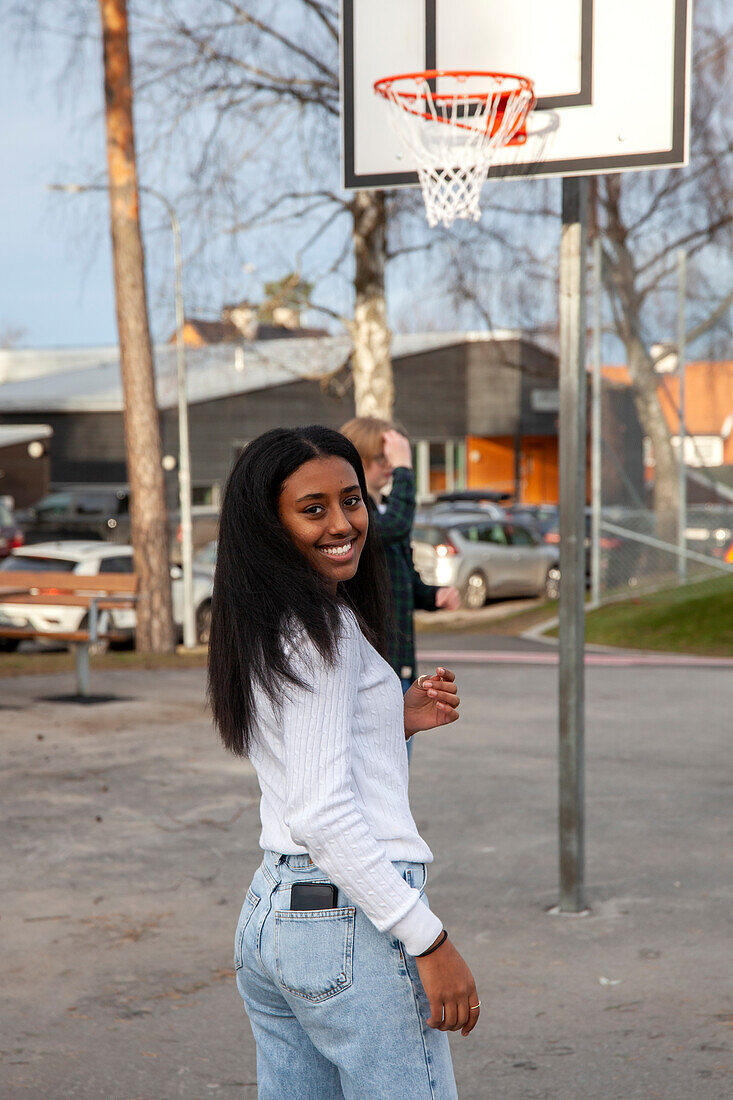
88 379
11 434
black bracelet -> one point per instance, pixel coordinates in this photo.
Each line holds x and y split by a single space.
435 946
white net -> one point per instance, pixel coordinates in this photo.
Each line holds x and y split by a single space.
452 124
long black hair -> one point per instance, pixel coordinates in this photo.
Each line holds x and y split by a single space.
263 585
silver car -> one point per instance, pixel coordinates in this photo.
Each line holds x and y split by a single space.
484 557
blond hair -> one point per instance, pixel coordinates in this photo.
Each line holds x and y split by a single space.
367 435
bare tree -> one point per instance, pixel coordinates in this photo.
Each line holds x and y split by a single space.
645 219
271 74
11 335
504 270
142 430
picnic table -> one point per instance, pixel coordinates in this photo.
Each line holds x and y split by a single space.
95 594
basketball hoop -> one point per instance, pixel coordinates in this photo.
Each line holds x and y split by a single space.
453 122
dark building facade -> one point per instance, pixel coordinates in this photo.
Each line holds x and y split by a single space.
481 411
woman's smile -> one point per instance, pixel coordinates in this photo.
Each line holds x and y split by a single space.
322 509
342 552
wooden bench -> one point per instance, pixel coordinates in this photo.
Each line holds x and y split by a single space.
103 592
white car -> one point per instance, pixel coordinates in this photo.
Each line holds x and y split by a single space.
89 559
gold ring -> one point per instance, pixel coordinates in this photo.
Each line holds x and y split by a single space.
474 1008
420 680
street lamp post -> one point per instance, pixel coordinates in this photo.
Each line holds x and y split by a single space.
184 452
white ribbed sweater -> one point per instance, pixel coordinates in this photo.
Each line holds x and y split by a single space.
332 768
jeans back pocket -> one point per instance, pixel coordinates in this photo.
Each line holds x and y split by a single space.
314 951
251 901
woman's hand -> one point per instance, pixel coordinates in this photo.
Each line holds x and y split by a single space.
431 701
451 990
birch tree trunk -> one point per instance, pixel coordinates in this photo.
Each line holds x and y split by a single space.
372 363
654 424
621 278
142 429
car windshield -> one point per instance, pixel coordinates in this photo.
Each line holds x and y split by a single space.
22 563
56 504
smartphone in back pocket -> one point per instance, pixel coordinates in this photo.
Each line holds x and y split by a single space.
313 895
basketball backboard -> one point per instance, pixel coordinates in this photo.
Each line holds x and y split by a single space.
611 79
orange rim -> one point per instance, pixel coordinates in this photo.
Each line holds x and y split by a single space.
408 100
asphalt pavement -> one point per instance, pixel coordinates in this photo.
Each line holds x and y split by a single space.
130 836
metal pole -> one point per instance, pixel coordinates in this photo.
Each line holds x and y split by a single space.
184 451
596 439
681 355
572 545
422 469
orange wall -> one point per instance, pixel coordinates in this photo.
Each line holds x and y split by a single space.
490 465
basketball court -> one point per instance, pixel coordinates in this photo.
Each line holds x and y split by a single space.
452 95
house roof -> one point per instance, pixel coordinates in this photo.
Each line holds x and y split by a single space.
89 380
12 434
708 395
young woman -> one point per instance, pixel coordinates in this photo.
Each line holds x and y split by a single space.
348 978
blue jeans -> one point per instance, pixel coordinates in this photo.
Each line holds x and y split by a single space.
337 1008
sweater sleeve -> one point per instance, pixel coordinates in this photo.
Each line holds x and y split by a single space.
395 522
320 808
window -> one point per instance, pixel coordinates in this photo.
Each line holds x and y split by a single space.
96 504
6 519
520 536
433 535
122 563
56 504
493 533
484 532
21 564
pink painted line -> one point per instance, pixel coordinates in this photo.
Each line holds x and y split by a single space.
606 660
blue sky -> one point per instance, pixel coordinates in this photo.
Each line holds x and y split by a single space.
57 274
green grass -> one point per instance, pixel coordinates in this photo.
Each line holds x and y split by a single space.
694 618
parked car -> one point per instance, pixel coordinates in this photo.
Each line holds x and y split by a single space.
11 536
206 557
80 511
616 553
89 559
476 498
205 524
103 512
466 500
484 557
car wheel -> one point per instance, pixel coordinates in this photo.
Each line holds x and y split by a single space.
9 645
552 583
203 624
476 591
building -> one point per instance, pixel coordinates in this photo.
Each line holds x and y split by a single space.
25 462
481 408
708 418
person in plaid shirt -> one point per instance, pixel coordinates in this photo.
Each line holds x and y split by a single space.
386 455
